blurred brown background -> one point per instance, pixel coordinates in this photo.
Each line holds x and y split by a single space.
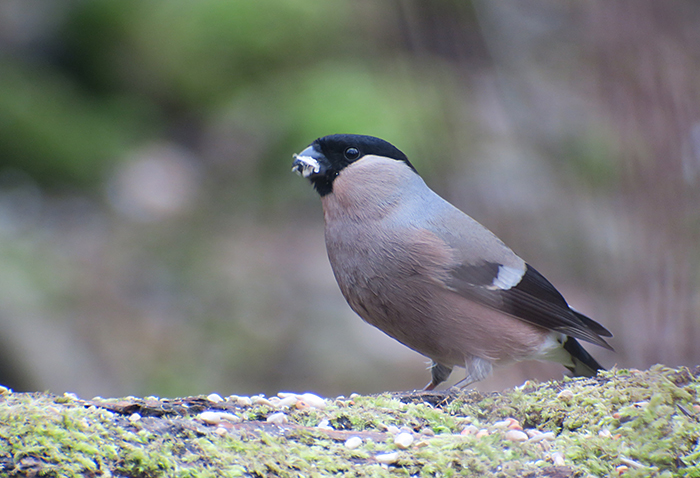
154 241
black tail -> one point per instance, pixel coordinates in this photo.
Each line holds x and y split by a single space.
592 324
584 364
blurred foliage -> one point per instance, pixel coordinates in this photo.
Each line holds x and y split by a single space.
125 71
57 133
190 55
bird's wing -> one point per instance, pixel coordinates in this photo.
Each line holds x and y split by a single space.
523 294
487 271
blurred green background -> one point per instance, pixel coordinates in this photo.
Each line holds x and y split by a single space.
154 241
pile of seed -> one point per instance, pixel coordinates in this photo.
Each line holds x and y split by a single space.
404 438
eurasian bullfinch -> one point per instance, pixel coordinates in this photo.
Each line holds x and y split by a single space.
417 268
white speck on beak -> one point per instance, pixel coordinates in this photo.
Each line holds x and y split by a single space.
305 165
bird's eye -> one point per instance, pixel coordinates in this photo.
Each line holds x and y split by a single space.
352 153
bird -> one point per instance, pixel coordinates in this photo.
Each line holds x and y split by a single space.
428 275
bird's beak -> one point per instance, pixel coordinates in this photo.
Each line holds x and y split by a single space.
309 163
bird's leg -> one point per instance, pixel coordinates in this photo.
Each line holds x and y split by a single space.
477 370
439 373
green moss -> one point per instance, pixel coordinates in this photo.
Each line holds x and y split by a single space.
648 422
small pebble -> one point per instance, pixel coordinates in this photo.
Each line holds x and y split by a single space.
513 424
502 424
558 459
286 394
260 400
616 415
71 395
566 395
277 418
641 404
214 418
533 432
230 417
353 442
221 431
630 463
387 458
427 431
313 401
403 440
210 418
546 436
516 435
134 417
4 390
215 397
325 424
244 401
287 402
605 433
621 469
695 407
469 430
482 433
353 396
392 429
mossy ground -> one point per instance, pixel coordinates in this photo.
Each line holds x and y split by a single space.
623 422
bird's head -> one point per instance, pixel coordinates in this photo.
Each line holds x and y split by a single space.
326 157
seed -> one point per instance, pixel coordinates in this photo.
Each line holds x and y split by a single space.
403 440
558 459
516 435
353 442
260 400
244 401
546 436
324 424
278 418
313 401
214 418
513 424
286 402
566 395
215 397
387 458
